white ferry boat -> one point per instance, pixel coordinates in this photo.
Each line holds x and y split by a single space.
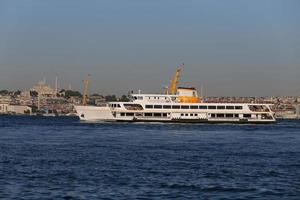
178 105
182 107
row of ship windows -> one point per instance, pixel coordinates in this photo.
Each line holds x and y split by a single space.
145 114
194 107
115 105
219 115
141 98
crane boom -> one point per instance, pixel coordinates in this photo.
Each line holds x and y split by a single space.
174 81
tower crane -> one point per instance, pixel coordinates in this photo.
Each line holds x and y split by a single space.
174 81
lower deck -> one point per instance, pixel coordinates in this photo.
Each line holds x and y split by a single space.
194 117
197 121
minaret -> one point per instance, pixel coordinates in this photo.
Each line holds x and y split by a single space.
56 85
39 101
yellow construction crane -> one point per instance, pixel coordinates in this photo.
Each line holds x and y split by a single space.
86 84
174 81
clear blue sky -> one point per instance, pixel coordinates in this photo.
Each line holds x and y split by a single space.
232 47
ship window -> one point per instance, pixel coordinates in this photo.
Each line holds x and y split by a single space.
164 114
194 107
247 115
213 115
239 107
157 114
129 114
119 106
157 106
149 106
203 107
229 115
133 106
182 114
139 114
122 114
230 107
191 115
148 114
185 107
258 108
236 115
186 114
220 115
212 107
221 107
167 107
196 115
175 107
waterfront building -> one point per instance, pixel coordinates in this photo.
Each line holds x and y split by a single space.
14 109
5 99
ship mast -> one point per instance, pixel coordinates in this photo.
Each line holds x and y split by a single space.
174 81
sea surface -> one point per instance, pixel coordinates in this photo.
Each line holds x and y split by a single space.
63 158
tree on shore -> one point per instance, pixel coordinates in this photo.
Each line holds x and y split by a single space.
71 93
124 98
4 92
34 93
18 92
110 98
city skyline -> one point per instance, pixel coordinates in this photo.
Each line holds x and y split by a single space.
233 48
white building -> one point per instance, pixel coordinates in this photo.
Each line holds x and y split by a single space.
14 109
3 108
5 99
43 89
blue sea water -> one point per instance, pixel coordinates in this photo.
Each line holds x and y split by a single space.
62 158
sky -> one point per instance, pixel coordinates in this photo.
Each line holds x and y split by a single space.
230 47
